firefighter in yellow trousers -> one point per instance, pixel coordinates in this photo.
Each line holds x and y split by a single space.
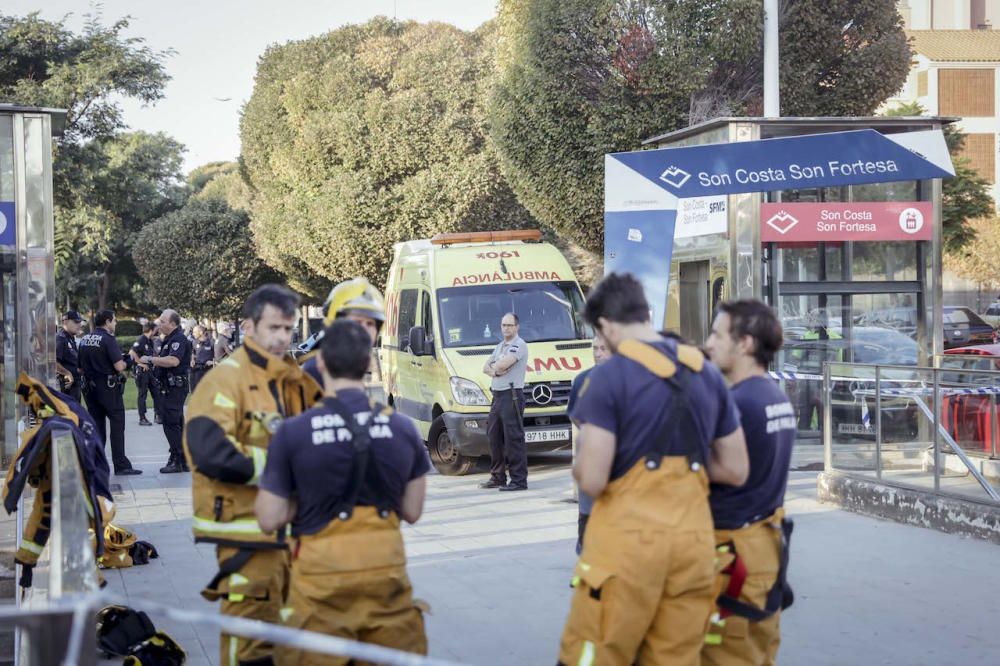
231 417
751 530
658 423
344 474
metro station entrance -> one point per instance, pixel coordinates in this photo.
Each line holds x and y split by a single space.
840 296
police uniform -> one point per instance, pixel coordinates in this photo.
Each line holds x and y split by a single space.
231 418
347 462
644 583
505 424
174 390
752 533
68 356
99 351
145 346
204 357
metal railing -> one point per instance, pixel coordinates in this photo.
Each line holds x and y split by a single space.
929 428
56 623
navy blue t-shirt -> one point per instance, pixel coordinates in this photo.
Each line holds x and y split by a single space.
623 397
99 351
769 425
574 391
310 458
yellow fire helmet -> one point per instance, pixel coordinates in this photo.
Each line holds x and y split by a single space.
355 296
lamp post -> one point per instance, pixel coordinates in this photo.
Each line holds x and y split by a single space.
772 104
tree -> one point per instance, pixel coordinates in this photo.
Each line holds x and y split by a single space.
577 79
367 136
964 197
212 246
978 258
124 182
221 180
46 64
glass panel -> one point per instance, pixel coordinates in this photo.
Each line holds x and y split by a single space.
878 262
547 310
8 295
407 317
38 328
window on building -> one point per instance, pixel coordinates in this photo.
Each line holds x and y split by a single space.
980 149
967 93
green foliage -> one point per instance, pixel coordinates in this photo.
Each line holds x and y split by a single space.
225 183
200 259
128 327
963 198
106 185
577 79
112 188
367 136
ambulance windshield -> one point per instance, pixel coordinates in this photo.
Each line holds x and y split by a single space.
470 316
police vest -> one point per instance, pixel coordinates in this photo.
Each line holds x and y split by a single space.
231 417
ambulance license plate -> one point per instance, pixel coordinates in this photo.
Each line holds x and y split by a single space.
546 435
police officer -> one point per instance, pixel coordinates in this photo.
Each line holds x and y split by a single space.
223 342
67 355
203 357
505 425
171 371
355 299
586 502
750 525
656 416
344 474
145 346
102 364
231 418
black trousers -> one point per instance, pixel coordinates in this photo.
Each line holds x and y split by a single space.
142 381
106 403
196 374
505 429
172 413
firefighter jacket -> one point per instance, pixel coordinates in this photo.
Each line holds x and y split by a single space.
233 412
50 410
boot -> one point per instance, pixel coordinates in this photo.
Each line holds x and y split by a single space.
173 465
157 419
143 421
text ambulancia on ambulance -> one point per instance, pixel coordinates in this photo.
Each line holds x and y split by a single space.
445 298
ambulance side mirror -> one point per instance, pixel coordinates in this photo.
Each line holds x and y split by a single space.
418 342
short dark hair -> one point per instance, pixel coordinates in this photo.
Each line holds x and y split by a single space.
517 320
148 326
279 296
103 317
174 318
619 297
756 319
346 349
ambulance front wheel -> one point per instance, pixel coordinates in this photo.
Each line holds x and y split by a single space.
444 453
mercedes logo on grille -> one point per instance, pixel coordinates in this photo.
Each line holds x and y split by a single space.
541 394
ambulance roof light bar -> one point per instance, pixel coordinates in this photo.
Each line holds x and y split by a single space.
487 237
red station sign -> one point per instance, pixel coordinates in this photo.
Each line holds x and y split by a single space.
834 221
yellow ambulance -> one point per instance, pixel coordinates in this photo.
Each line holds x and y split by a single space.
445 298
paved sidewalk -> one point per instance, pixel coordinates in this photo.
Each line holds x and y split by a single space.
495 568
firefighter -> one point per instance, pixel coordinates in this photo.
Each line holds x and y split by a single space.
358 301
657 424
750 526
230 420
344 474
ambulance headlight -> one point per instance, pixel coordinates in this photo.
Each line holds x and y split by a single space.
467 392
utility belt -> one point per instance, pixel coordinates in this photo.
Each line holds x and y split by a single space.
780 596
115 381
202 366
172 381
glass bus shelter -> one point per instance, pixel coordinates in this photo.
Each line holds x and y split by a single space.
849 301
28 320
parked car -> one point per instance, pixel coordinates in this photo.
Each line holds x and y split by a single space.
867 344
971 419
992 315
963 327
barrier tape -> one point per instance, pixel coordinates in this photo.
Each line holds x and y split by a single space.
83 608
911 392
